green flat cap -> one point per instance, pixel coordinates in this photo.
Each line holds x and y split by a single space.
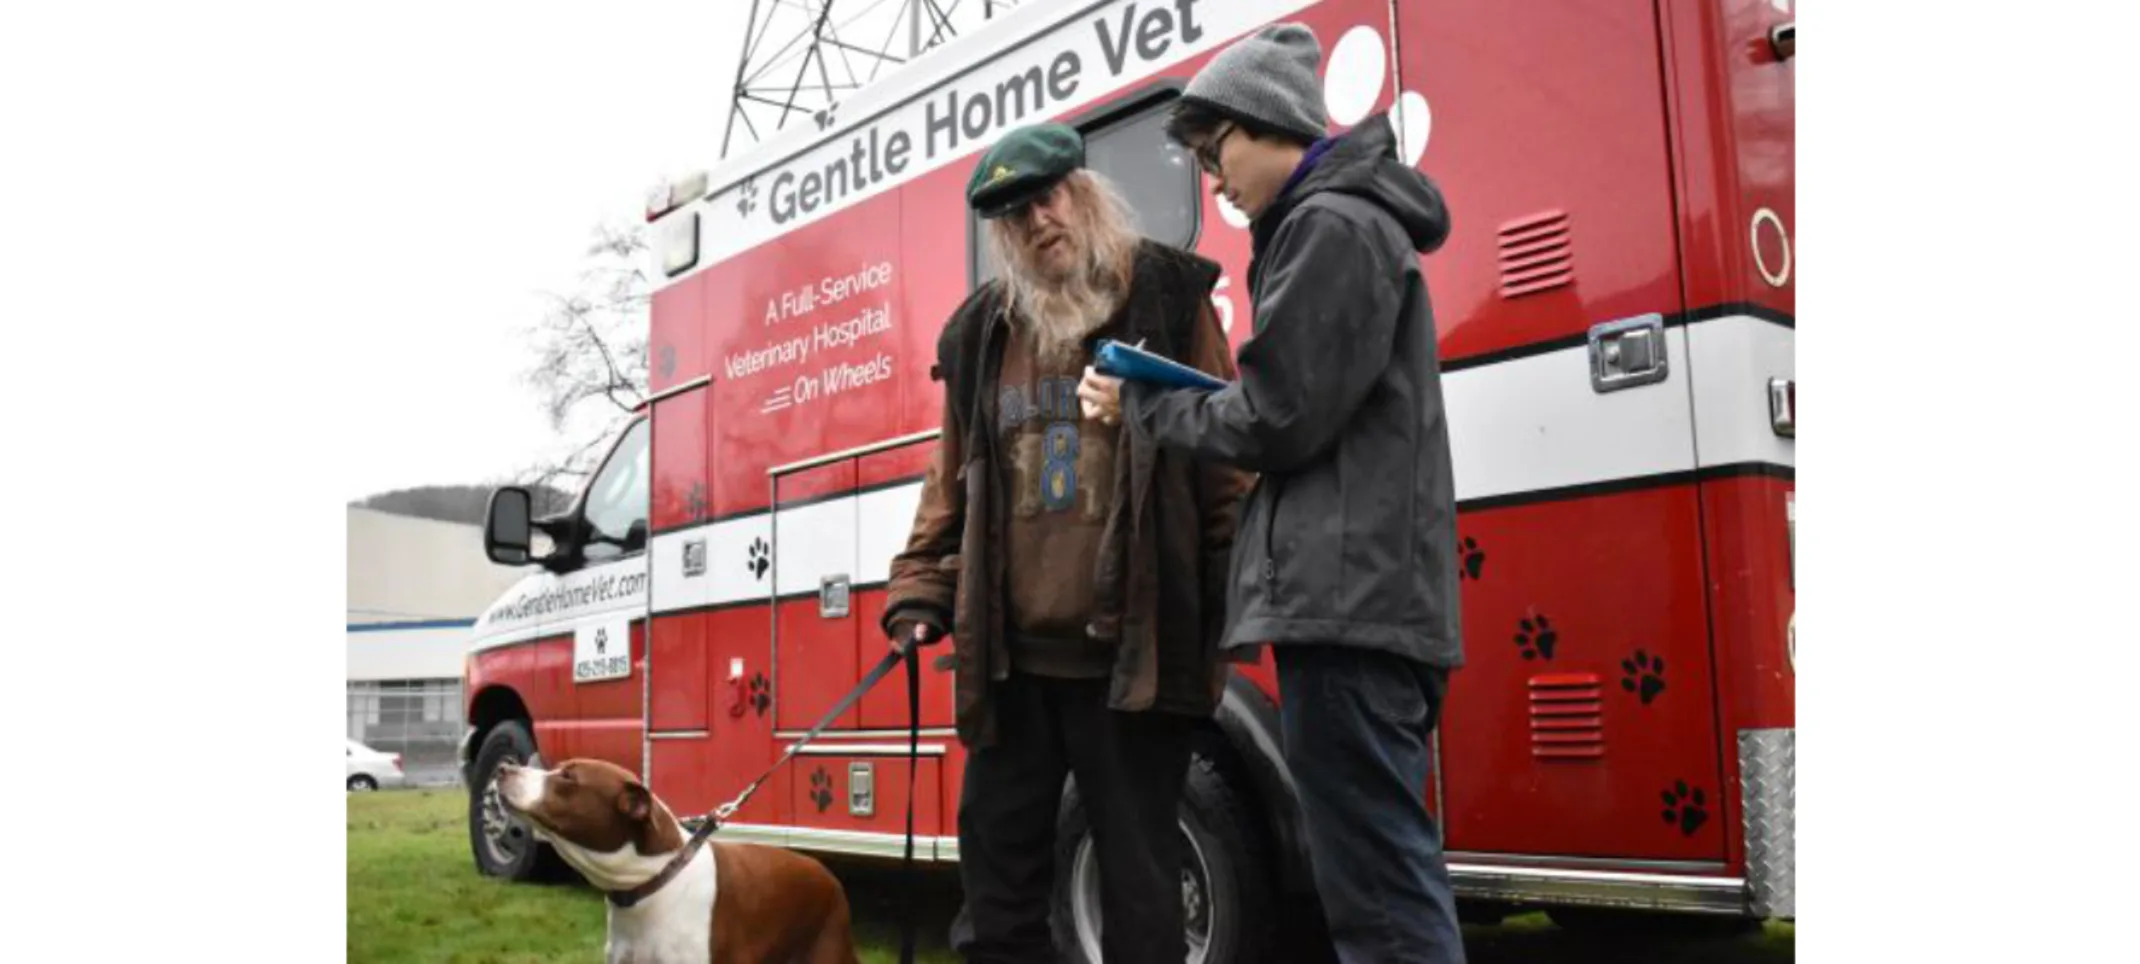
1022 166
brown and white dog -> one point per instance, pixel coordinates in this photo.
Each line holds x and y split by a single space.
718 903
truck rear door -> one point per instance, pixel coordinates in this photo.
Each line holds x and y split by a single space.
1584 721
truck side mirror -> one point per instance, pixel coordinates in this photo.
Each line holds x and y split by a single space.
508 529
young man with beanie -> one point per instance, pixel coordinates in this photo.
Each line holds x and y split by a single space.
1080 570
1346 557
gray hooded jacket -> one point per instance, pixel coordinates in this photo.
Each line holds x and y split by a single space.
1350 535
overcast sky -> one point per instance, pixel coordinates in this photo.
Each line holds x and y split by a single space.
344 217
501 136
498 135
373 199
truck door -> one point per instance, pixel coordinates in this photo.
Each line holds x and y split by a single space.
1584 721
814 628
836 527
890 495
680 683
603 628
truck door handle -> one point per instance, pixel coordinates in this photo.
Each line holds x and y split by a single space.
735 688
1627 353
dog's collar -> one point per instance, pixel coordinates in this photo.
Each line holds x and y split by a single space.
627 898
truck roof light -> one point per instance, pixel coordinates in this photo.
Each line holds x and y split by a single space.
674 194
677 240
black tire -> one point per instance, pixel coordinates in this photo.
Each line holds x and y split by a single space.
362 783
501 843
1604 922
1236 889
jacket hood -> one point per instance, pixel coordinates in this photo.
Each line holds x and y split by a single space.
1363 163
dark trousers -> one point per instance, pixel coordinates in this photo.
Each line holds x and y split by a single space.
1129 768
1357 724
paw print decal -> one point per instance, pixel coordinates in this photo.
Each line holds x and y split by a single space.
1537 638
1471 560
821 789
761 693
1685 808
761 558
1645 676
747 197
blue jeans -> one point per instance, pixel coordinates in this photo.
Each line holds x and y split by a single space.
1357 725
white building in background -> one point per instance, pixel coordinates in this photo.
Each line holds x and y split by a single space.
416 587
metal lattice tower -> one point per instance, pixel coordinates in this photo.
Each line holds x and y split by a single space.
801 57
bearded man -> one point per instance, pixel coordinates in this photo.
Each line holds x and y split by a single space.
1080 571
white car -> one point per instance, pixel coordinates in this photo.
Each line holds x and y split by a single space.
370 769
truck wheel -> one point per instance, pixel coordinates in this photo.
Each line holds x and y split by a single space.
1226 877
502 843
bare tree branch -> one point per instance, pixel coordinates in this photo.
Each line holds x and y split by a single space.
591 346
578 315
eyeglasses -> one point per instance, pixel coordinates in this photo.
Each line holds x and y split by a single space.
1207 155
1020 215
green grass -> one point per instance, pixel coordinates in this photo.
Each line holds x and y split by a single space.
414 895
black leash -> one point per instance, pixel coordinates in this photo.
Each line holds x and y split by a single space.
913 875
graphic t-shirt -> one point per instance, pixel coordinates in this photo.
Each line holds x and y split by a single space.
1059 483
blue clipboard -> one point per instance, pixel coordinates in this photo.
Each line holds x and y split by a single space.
1135 364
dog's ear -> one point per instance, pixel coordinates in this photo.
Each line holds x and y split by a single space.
635 802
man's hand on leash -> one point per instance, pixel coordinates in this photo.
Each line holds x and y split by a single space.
915 633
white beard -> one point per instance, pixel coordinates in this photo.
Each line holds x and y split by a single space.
1059 313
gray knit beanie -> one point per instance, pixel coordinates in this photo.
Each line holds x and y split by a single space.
1269 77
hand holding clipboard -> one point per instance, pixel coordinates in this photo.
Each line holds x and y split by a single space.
1114 362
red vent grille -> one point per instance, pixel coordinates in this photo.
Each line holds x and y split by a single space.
1567 717
1536 254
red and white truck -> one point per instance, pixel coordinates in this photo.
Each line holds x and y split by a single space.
1615 312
